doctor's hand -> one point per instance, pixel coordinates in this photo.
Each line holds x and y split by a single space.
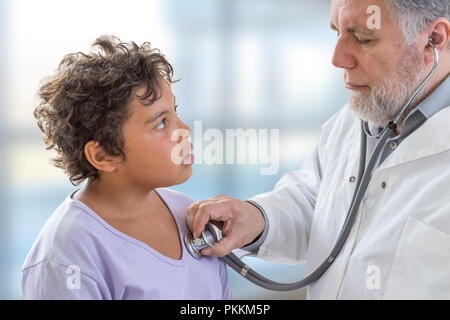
240 222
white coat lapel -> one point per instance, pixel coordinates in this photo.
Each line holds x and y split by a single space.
431 138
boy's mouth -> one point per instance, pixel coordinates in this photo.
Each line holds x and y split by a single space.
189 159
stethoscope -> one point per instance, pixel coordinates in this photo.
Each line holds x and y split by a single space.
210 235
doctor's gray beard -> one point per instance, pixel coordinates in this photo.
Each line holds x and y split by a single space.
388 97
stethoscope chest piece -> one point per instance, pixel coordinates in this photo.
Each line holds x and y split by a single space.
195 245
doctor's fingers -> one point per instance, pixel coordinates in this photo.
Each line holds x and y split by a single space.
221 210
221 248
191 211
233 238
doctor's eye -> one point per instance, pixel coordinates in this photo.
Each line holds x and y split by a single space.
363 41
176 108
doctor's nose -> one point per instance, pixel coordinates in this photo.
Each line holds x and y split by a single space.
342 58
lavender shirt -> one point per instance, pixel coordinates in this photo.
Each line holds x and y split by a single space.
77 255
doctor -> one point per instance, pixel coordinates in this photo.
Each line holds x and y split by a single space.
399 246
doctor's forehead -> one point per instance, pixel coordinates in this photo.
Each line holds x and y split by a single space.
355 12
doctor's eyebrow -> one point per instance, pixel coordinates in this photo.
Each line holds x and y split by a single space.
333 27
353 29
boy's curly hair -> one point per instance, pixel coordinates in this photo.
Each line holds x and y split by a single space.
86 100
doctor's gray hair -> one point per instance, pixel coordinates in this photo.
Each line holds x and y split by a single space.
413 16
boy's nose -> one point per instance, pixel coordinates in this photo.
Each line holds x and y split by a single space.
185 127
184 132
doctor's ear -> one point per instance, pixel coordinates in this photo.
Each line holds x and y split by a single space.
99 159
437 34
440 34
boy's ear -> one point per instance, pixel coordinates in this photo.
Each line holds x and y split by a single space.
98 158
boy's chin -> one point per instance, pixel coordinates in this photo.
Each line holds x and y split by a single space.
186 174
182 177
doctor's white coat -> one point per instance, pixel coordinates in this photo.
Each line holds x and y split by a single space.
399 246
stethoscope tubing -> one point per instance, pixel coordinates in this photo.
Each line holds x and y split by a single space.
364 177
363 181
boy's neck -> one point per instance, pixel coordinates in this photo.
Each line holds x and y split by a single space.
117 199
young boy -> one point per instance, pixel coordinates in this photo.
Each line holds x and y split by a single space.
111 117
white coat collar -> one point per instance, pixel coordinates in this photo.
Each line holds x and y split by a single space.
431 138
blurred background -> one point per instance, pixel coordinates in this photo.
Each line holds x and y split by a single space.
250 64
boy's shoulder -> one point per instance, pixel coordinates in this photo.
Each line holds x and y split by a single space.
177 202
66 235
174 199
73 232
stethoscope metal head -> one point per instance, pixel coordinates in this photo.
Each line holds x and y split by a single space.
208 238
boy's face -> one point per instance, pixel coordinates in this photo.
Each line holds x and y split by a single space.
156 143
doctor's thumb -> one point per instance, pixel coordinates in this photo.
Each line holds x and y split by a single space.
221 248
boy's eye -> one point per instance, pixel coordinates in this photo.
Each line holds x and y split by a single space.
176 108
161 124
